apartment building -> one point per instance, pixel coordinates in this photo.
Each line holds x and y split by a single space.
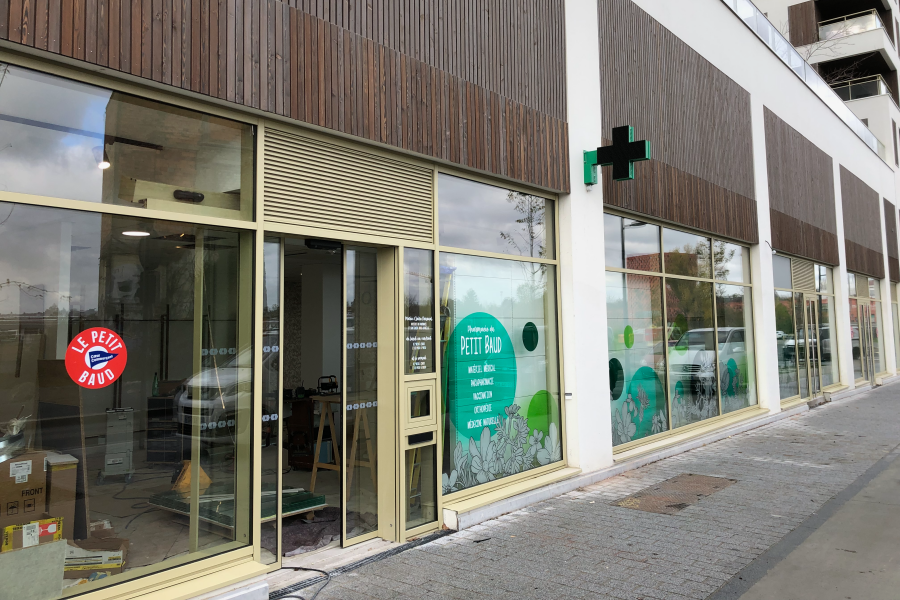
279 277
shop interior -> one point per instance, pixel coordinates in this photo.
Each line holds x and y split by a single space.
110 471
310 353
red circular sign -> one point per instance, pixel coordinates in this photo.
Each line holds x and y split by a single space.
96 358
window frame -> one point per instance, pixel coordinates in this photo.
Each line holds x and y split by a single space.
553 200
749 285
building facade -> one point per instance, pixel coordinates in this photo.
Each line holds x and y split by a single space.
284 276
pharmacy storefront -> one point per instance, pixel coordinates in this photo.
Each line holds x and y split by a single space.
225 340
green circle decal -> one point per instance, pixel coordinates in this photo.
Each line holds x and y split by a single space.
629 337
616 379
530 336
480 371
542 410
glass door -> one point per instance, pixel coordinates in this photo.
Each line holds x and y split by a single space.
866 341
809 349
368 432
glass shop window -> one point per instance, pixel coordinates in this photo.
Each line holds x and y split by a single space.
631 244
418 310
125 391
499 343
477 216
66 139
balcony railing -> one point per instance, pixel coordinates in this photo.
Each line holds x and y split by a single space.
757 21
862 87
850 25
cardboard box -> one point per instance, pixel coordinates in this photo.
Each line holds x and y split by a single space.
34 573
23 489
61 480
42 531
87 557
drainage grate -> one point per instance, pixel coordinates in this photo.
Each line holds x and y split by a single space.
675 494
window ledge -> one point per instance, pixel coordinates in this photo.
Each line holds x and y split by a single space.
475 509
679 437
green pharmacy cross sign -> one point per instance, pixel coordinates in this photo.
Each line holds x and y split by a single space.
622 155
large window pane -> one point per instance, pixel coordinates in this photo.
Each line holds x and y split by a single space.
361 417
828 339
270 442
732 262
824 279
799 345
855 338
67 139
692 351
686 254
785 337
781 267
170 394
737 361
499 346
477 216
877 337
631 244
637 356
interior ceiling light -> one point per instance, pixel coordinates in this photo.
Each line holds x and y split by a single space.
101 157
136 233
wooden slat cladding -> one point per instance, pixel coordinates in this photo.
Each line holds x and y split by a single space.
376 195
697 119
862 226
803 23
793 236
479 85
456 36
801 194
667 193
890 227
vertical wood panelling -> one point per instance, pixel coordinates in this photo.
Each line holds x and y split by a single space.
803 25
480 84
690 111
890 227
801 193
862 226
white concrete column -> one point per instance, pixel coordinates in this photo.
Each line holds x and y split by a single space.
841 290
761 272
586 372
887 317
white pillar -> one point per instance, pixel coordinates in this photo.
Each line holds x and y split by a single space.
887 317
841 291
761 272
588 416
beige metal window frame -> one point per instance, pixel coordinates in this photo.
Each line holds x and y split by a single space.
812 293
244 561
621 448
497 486
880 307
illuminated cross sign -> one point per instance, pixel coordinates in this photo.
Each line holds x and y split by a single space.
622 155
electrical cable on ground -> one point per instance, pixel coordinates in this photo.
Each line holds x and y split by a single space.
313 597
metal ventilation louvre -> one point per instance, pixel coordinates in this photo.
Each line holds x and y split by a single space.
803 274
312 183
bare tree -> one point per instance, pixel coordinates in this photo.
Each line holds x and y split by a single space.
829 47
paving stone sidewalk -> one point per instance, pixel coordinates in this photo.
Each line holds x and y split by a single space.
580 546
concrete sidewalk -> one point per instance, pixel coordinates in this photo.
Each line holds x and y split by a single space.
850 549
581 545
